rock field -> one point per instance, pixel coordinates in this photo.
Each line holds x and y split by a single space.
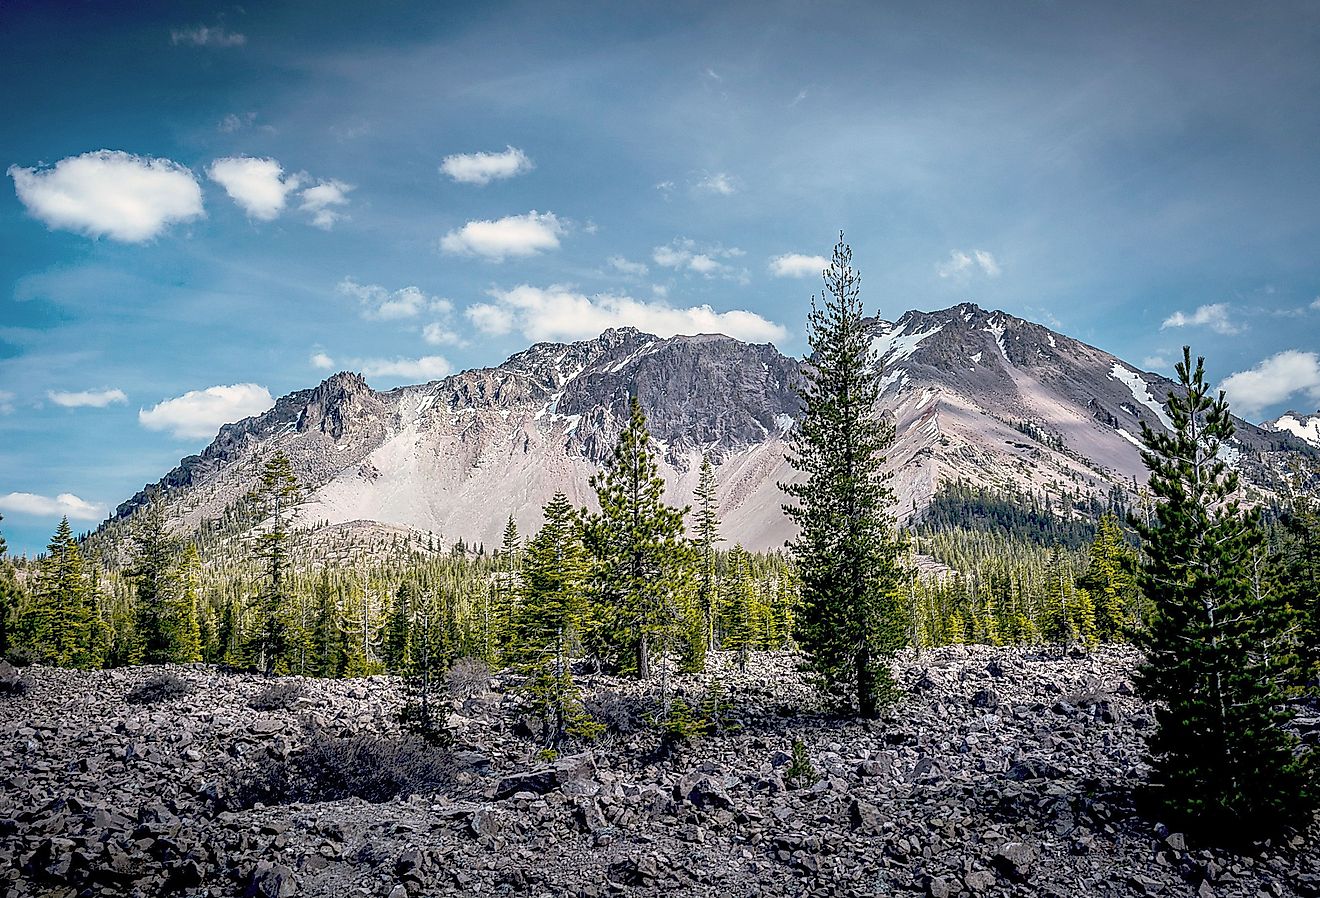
1002 772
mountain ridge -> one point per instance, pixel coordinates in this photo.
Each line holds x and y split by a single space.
974 394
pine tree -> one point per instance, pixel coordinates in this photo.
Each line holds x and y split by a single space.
1299 569
185 631
846 549
503 596
707 529
550 620
1222 763
10 598
425 661
153 571
276 494
61 624
737 601
638 549
327 639
1110 577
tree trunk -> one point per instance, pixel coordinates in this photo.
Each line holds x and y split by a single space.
643 657
867 703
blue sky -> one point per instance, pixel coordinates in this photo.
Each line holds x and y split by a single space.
207 204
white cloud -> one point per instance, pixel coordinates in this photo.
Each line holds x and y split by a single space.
797 265
1275 380
960 265
683 253
259 186
1213 316
204 36
382 304
322 361
426 368
719 183
439 333
81 398
1157 363
323 202
65 505
561 313
482 168
235 122
619 263
199 413
6 402
1316 305
109 193
515 235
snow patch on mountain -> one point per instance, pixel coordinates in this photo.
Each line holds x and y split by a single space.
1140 392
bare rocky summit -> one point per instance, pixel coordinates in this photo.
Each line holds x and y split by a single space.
974 394
1003 772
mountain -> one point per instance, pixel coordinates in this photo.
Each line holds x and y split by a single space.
1304 427
974 394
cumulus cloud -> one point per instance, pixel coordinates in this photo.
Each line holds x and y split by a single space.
65 505
1157 363
961 265
439 333
324 201
561 313
1214 316
482 168
719 182
199 413
426 368
797 265
259 186
6 402
205 36
1316 305
1275 380
82 398
514 235
109 193
684 254
382 304
620 264
322 361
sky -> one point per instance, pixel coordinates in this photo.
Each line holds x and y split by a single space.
211 205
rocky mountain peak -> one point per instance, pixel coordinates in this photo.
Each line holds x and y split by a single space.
336 403
1304 427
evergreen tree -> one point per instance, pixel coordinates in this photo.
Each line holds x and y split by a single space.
638 548
847 548
503 595
398 626
185 634
1110 577
425 661
61 625
153 571
10 598
550 620
707 529
327 643
1222 762
737 606
1299 568
276 495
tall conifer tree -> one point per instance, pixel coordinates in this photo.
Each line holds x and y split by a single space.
276 495
706 527
638 547
153 572
1222 762
847 547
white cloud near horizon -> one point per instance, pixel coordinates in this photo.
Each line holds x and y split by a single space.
86 398
110 193
511 236
382 304
961 265
65 505
426 368
1214 316
561 313
797 265
482 168
206 36
258 185
321 361
625 266
1275 380
682 253
200 413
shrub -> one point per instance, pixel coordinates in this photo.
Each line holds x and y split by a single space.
277 697
467 677
330 768
800 773
159 688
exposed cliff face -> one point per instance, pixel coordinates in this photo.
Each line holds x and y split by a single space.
973 393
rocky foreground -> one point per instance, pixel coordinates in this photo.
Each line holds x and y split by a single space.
1003 772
